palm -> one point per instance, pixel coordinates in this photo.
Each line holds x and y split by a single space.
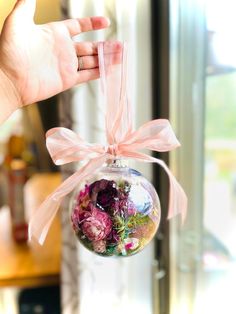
45 60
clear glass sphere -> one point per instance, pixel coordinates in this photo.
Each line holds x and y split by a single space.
115 212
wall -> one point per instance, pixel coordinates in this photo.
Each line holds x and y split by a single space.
46 10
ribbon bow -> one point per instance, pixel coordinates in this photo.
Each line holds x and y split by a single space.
65 146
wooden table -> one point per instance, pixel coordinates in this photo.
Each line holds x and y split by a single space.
30 265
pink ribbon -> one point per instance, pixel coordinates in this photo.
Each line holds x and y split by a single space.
65 146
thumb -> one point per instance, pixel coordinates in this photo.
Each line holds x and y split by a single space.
25 7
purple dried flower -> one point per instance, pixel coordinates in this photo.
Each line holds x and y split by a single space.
124 206
131 209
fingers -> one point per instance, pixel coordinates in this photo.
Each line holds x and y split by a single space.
87 75
91 48
87 62
88 65
87 53
86 48
112 47
113 50
77 26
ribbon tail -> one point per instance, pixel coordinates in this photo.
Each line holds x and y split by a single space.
42 219
177 198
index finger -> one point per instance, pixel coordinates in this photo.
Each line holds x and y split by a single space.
77 26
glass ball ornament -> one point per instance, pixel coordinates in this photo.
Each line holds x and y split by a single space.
116 211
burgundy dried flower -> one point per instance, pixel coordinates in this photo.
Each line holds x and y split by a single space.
103 192
113 237
124 206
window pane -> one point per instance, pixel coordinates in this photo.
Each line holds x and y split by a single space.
219 267
203 250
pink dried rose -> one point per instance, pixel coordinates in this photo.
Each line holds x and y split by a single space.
78 215
81 213
97 226
99 246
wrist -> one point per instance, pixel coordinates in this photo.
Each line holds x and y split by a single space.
9 98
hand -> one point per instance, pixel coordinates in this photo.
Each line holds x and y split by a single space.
39 61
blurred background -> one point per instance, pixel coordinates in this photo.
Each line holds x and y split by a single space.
184 69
